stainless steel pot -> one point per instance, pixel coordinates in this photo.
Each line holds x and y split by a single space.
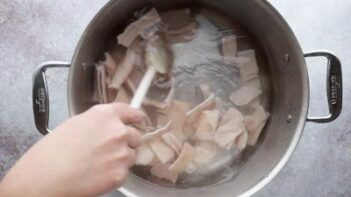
287 68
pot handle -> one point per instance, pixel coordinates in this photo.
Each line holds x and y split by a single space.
41 95
334 86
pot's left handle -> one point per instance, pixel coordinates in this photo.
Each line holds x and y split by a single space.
41 95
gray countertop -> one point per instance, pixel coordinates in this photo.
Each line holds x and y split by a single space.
34 31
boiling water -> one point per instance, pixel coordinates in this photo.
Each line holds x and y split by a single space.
200 62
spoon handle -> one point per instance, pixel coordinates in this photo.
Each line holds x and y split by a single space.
143 87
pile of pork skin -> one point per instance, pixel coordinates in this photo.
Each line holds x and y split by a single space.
183 138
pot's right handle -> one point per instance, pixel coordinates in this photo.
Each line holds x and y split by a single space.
334 86
41 95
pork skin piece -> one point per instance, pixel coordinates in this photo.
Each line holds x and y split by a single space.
161 116
253 136
144 155
122 96
184 159
207 125
162 171
254 120
194 113
230 127
135 77
246 93
101 83
111 95
158 132
254 82
242 140
150 31
162 151
172 140
117 55
188 131
254 124
131 85
96 97
204 152
220 105
177 115
229 49
248 69
255 103
149 20
158 55
138 46
124 69
96 94
130 69
170 96
110 67
104 76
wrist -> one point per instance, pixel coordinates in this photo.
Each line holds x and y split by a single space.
13 187
7 189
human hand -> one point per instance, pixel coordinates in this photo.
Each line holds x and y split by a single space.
87 155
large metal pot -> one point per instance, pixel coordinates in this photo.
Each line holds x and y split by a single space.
287 68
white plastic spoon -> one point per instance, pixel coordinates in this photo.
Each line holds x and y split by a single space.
157 59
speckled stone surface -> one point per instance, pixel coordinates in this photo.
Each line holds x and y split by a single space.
33 31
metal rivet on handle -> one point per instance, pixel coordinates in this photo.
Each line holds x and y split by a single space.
84 66
286 57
